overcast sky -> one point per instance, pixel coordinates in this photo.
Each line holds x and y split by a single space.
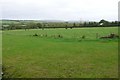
92 10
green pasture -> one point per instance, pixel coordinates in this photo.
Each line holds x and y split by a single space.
69 56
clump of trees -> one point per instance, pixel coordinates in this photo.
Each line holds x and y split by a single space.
110 36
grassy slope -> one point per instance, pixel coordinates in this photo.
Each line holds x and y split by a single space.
27 56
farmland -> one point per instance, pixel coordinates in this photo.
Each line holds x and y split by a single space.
0 53
70 56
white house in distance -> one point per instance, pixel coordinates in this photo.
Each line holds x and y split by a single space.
101 24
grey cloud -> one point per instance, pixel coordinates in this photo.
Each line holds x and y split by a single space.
60 9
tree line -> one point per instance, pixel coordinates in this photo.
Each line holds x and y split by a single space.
66 25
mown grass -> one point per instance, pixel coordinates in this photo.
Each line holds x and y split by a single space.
27 56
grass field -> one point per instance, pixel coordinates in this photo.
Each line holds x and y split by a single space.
27 56
0 53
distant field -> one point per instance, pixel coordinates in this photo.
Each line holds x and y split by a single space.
47 55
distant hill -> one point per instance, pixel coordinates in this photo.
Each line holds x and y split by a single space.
70 21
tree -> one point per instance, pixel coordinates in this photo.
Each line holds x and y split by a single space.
44 25
31 25
85 24
39 25
66 25
12 26
74 25
103 23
